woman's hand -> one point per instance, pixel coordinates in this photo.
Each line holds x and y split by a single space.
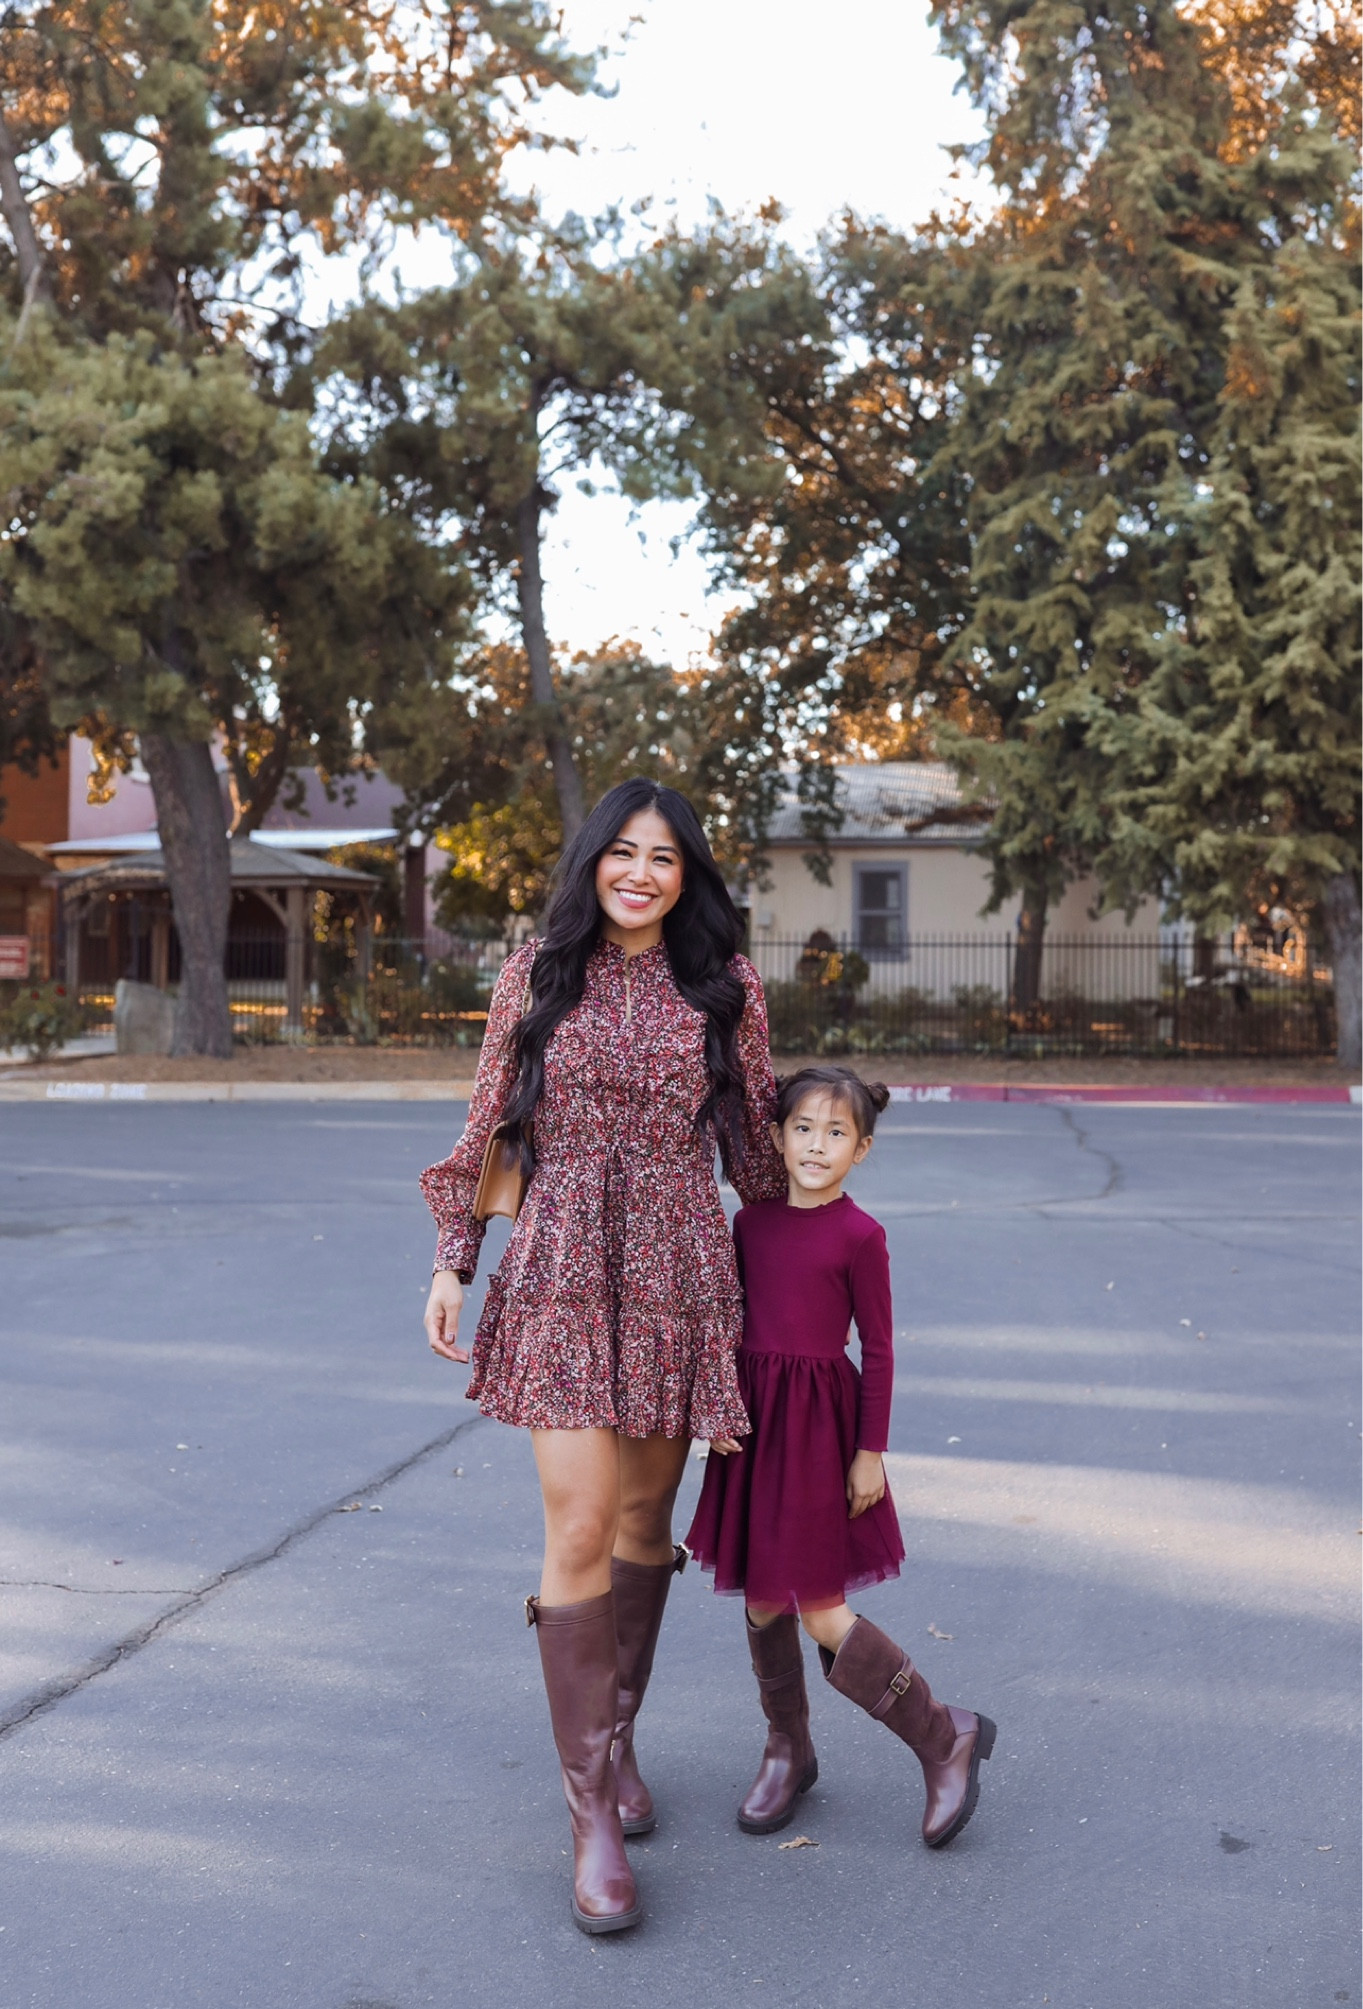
726 1446
443 1307
865 1482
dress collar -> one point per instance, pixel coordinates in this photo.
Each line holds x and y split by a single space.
644 959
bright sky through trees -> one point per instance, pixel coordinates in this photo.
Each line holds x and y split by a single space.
743 100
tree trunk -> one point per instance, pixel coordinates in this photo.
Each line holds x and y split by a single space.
189 816
1031 940
530 590
28 252
1342 926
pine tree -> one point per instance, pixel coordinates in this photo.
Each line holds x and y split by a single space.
204 151
1141 207
1235 775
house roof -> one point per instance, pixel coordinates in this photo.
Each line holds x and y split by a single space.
322 839
253 865
889 802
16 863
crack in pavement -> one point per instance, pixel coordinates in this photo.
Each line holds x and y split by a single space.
54 1692
1081 1138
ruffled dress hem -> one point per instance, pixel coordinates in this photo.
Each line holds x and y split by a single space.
641 1377
771 1523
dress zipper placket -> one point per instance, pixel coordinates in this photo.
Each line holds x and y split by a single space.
629 1011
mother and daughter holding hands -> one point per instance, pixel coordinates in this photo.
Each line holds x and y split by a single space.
624 1320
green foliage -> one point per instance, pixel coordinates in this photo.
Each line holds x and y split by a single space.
181 558
1108 431
1234 775
40 1018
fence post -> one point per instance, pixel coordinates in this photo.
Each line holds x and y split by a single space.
1178 993
294 946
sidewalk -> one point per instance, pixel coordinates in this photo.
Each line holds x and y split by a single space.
388 1074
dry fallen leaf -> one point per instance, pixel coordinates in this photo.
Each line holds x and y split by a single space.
353 1508
1185 1321
940 1635
1324 1848
374 1508
799 1842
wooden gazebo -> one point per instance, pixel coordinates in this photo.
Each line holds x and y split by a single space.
282 882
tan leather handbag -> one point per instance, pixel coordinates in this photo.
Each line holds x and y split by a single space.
501 1182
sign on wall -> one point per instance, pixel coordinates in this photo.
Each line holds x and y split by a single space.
14 954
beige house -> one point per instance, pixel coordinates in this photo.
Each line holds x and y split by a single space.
908 879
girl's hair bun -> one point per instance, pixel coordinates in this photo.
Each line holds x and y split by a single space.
864 1099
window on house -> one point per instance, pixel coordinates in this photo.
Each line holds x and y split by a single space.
882 901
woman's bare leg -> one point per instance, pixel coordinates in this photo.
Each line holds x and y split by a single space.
579 1472
650 1472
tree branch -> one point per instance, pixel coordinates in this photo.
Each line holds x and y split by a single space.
18 217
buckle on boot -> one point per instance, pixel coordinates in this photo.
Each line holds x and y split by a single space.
681 1559
902 1682
532 1605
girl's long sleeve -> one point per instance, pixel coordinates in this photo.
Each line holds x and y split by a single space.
762 1175
874 1314
450 1186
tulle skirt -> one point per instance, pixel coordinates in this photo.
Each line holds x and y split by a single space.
772 1521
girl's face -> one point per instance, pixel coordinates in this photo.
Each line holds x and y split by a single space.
639 881
820 1145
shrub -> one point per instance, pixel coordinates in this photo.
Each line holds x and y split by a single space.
40 1017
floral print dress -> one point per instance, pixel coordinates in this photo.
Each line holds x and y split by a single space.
617 1304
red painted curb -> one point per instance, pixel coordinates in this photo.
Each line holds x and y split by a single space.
1002 1091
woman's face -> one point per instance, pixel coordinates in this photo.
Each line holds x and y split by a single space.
639 881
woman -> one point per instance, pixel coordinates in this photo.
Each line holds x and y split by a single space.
621 1048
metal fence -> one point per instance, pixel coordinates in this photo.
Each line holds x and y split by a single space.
1098 994
386 991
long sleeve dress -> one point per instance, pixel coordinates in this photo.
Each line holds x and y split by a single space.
617 1303
772 1520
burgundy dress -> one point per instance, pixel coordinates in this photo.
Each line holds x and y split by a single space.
617 1303
772 1519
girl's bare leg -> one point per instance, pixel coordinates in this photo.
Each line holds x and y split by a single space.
827 1625
579 1473
650 1472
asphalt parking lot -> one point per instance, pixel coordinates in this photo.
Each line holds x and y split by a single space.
271 1727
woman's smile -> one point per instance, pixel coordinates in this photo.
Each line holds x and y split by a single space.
638 881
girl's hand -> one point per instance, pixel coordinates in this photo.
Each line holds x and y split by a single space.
726 1446
443 1307
865 1482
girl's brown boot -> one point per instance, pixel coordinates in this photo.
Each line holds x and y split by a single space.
578 1654
950 1744
640 1597
788 1766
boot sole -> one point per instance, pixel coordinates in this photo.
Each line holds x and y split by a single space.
632 1829
783 1820
618 1921
984 1746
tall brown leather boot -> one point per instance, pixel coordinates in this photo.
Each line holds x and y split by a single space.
950 1744
577 1652
640 1595
788 1766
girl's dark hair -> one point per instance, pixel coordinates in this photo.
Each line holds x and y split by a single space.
863 1100
701 934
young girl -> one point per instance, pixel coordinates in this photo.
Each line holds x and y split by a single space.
799 1513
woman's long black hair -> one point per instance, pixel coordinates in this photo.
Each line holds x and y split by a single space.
701 934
